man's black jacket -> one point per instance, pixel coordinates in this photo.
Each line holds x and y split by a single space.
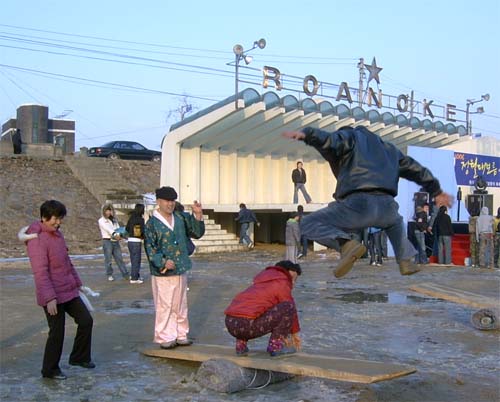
299 176
362 161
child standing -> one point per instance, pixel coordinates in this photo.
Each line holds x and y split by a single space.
57 290
135 229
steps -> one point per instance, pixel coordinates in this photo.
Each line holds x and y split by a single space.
216 240
124 182
460 250
101 178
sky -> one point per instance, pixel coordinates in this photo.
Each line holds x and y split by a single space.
123 69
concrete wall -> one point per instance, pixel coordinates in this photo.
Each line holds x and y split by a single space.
220 178
6 148
44 150
32 120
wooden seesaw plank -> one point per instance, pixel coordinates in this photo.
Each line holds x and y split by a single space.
455 295
335 368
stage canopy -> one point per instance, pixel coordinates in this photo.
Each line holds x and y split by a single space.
235 147
255 126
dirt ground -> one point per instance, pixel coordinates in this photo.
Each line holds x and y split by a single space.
370 314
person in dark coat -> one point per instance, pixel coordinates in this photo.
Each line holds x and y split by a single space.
421 226
245 217
135 230
299 179
445 233
303 239
267 306
17 142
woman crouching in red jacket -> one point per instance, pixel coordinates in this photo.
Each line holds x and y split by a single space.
267 307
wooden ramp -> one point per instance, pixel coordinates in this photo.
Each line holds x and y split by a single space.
335 368
455 295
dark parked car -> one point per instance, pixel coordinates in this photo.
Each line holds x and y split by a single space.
124 150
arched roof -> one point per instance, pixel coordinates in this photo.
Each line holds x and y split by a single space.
252 123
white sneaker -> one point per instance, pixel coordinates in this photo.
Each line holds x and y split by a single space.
110 278
139 281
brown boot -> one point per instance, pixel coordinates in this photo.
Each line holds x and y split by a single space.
349 253
406 267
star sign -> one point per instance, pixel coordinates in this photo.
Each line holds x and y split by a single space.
374 70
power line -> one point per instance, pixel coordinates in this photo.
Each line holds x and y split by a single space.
113 40
211 71
493 116
49 44
127 132
121 56
106 46
205 70
50 99
76 81
33 89
174 47
19 87
148 90
8 96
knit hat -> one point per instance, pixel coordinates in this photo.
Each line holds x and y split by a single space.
166 193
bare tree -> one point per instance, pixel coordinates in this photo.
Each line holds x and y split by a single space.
184 108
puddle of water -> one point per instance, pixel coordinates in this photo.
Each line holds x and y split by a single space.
18 279
389 298
125 308
14 259
73 257
86 256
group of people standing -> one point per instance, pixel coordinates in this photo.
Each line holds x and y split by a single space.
367 170
111 236
166 236
58 285
437 224
484 236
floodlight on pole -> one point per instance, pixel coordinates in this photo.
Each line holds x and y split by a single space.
241 54
470 102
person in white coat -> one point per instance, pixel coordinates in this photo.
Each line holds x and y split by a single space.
108 225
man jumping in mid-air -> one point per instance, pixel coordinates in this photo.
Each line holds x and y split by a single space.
367 170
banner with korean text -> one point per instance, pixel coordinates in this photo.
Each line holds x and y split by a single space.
468 167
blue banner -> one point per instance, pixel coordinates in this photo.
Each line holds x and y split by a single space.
468 167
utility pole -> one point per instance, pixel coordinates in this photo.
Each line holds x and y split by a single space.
411 104
362 76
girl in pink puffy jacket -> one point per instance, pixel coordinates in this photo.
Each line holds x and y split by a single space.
57 291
